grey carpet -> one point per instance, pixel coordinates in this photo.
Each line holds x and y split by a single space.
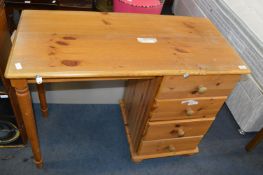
90 139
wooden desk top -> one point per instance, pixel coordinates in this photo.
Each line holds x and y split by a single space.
64 44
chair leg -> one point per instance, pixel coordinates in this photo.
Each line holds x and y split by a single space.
42 99
256 140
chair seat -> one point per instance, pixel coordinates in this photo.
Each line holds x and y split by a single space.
138 6
140 3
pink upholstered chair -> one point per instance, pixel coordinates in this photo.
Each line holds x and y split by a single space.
138 6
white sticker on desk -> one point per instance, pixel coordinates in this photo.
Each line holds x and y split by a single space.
27 2
190 102
243 67
18 66
147 40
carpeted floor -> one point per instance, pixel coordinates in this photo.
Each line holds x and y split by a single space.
90 139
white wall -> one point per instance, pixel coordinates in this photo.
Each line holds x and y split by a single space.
93 92
187 8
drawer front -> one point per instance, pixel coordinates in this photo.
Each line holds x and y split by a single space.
176 87
186 108
168 145
177 129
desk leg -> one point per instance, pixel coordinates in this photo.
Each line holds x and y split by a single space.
17 113
42 99
25 104
253 143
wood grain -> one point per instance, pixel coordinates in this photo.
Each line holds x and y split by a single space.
176 87
173 129
165 145
25 104
255 141
139 157
84 46
138 98
42 99
81 44
5 47
63 80
172 109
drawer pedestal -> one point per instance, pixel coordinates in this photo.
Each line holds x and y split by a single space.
136 158
168 116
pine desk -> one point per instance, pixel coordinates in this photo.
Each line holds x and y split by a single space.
179 71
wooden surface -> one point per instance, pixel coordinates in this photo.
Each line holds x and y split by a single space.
176 87
42 99
76 46
59 80
169 145
5 47
5 43
137 157
91 44
138 98
25 104
255 141
174 128
172 109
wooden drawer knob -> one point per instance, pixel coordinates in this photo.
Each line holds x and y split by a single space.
189 112
202 89
171 148
180 132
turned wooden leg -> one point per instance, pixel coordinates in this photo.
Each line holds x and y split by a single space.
17 113
25 105
253 143
42 99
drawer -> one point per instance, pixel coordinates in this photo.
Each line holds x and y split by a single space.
177 128
169 145
175 87
186 108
